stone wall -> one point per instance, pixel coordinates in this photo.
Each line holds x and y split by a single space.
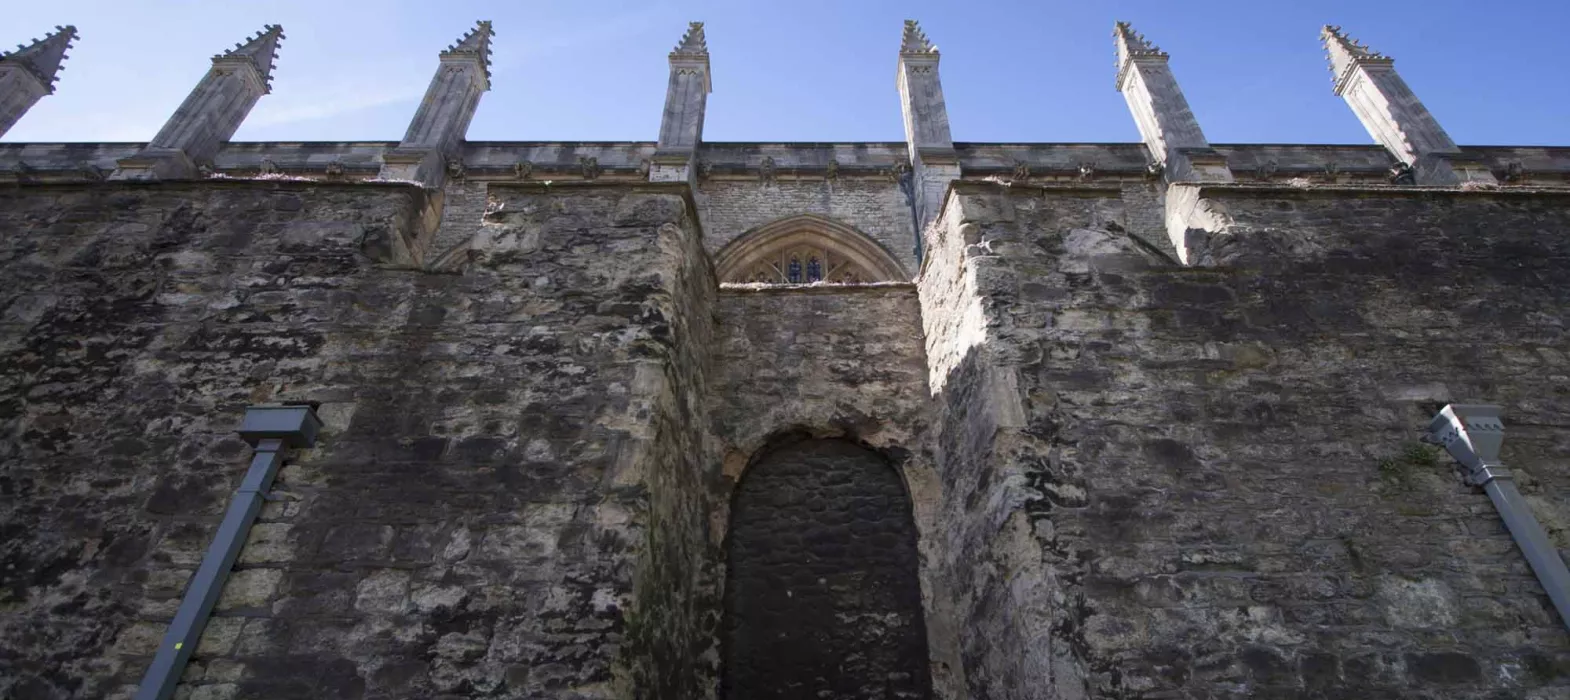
137 321
1215 486
1127 478
874 206
475 519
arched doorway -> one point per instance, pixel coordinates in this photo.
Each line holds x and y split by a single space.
821 595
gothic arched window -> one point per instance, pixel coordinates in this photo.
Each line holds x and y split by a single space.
804 250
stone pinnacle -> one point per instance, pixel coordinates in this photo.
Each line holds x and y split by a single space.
261 50
44 57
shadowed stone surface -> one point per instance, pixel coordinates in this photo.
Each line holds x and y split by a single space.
1174 481
821 599
1127 478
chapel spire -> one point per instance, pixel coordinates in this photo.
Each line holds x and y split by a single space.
30 72
686 103
1393 114
436 133
210 114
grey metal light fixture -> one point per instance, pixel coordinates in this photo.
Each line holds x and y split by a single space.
1472 434
270 429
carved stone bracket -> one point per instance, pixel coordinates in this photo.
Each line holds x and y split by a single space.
1332 171
456 170
522 169
766 170
1402 174
335 170
1087 169
1021 170
590 166
832 174
1267 170
901 168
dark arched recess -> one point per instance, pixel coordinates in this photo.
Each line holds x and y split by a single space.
821 595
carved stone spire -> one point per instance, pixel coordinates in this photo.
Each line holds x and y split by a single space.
686 102
210 114
692 42
29 73
436 133
1131 44
1346 54
44 58
260 52
475 46
914 41
1166 124
1394 116
931 145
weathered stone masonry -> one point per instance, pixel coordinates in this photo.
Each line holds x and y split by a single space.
1142 421
1213 483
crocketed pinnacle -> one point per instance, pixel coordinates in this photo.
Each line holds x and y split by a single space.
914 41
1345 54
43 58
692 43
261 50
1132 44
476 43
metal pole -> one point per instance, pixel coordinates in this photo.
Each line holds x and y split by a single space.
1473 434
186 630
1529 536
271 429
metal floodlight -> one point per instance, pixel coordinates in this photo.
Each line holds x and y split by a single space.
270 429
1472 433
295 425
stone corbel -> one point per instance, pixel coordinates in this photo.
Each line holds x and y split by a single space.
1193 220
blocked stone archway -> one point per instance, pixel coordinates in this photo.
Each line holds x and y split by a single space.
821 597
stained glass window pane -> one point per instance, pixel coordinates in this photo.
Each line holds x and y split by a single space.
794 271
814 270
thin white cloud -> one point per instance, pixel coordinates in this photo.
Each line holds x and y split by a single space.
322 105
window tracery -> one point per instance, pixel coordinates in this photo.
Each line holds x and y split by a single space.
806 250
803 265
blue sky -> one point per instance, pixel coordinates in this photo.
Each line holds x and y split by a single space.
805 70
